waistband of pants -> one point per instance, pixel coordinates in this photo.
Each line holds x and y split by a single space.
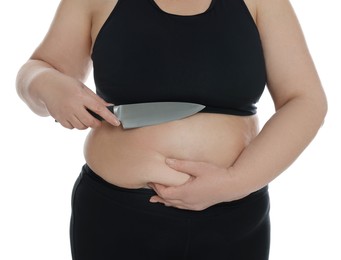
138 199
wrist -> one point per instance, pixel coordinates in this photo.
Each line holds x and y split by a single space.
235 186
50 87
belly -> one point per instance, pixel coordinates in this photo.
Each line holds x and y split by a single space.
132 158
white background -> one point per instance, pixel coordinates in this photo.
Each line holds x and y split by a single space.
40 160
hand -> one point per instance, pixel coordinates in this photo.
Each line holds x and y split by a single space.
68 103
209 184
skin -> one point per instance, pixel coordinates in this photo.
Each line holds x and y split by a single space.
51 83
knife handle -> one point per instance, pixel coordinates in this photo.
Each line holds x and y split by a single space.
95 115
110 108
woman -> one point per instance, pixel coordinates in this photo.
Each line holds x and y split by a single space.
194 188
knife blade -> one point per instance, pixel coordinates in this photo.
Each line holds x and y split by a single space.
152 113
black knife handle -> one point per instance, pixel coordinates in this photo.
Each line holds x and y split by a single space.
110 108
95 115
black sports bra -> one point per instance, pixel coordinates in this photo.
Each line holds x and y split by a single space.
215 58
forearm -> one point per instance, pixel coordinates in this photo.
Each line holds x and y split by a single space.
278 145
33 79
280 142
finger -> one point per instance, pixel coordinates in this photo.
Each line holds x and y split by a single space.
97 98
88 120
81 122
168 193
76 123
104 112
66 124
190 167
168 203
91 122
157 199
160 190
157 188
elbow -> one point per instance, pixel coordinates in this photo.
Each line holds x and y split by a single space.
20 82
23 80
323 108
24 84
313 107
322 104
319 105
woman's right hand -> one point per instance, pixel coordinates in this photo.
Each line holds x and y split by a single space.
50 82
67 101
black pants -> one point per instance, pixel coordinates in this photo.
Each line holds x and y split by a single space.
110 222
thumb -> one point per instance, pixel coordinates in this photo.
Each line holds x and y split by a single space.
190 167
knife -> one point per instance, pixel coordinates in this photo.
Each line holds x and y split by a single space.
153 113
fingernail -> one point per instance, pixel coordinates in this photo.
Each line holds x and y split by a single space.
170 161
117 122
152 200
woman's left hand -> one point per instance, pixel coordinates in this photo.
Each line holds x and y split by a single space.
209 184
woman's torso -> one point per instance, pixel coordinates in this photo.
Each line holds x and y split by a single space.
132 158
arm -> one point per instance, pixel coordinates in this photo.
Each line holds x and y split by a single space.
51 82
296 91
300 110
